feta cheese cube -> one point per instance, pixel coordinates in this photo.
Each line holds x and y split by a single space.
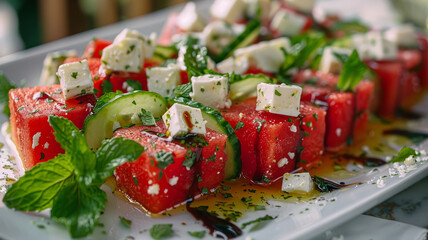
297 183
373 45
181 120
228 10
404 36
330 63
281 99
232 64
301 5
216 35
50 66
211 90
75 79
148 44
266 55
126 55
189 19
288 23
163 80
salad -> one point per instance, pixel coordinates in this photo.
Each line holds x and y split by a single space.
263 95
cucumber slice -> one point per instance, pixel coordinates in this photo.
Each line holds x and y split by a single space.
243 87
216 122
120 110
248 36
163 53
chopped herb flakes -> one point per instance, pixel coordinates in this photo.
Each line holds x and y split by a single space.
159 231
125 222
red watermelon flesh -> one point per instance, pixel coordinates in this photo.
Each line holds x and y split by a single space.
169 30
31 132
363 97
411 58
244 112
211 167
410 86
313 128
267 140
423 72
277 145
140 179
95 47
390 74
339 120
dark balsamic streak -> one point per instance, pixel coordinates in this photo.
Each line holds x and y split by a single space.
215 224
415 137
363 160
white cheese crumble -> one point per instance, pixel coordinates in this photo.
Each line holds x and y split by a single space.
46 146
282 162
173 181
380 183
293 128
291 155
338 132
36 138
153 189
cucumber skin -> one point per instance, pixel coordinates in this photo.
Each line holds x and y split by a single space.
100 107
225 126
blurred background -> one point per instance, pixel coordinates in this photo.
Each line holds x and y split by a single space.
28 23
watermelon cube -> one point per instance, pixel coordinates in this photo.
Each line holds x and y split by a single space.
30 109
95 48
158 188
339 119
390 74
269 142
313 129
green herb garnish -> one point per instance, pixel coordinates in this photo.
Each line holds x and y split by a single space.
352 73
70 183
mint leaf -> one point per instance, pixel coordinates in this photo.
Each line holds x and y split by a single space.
106 87
183 90
113 153
75 146
302 48
147 118
104 99
195 59
164 159
159 231
239 125
404 153
79 208
352 73
258 220
38 187
125 222
200 234
64 131
5 87
134 84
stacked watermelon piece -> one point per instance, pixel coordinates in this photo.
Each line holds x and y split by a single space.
272 144
30 109
157 187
